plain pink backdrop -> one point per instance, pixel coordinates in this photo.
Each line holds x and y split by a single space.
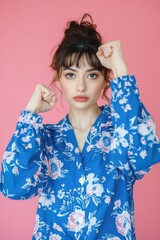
29 30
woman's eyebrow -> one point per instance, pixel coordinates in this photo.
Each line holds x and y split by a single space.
70 68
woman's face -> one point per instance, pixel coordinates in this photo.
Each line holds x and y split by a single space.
81 86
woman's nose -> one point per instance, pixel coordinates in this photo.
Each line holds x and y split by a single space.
81 85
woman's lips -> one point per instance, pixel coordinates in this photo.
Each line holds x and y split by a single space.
80 99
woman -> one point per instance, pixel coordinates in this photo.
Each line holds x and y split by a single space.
84 167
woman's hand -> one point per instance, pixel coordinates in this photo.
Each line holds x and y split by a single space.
42 100
110 56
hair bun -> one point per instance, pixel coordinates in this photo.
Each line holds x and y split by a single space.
84 29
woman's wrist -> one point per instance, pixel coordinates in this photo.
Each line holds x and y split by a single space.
120 70
31 109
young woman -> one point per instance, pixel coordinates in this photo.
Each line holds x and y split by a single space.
84 167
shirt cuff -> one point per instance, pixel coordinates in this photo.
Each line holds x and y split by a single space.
30 118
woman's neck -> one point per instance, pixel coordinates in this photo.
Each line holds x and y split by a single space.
82 120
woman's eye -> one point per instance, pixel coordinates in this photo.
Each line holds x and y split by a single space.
70 75
93 76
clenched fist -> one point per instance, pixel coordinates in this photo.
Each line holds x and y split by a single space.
42 100
111 57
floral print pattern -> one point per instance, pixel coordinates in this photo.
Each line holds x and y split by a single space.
84 195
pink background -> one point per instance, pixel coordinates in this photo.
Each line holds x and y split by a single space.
29 30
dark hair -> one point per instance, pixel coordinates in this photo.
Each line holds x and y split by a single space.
79 39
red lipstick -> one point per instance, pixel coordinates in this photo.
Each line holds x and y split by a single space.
80 98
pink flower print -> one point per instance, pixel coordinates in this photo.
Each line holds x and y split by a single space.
123 223
76 220
54 168
117 204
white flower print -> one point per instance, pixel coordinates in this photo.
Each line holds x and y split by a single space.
28 146
119 139
26 139
60 194
147 130
15 170
143 154
55 237
46 200
123 100
104 142
8 156
109 237
92 222
127 108
38 224
94 189
107 199
82 180
69 147
57 227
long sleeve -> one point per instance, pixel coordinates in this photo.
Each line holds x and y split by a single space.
22 164
135 143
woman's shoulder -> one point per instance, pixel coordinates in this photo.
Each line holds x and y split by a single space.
60 126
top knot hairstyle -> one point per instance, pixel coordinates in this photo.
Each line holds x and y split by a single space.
80 39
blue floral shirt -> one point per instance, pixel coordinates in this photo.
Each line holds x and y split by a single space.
84 195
